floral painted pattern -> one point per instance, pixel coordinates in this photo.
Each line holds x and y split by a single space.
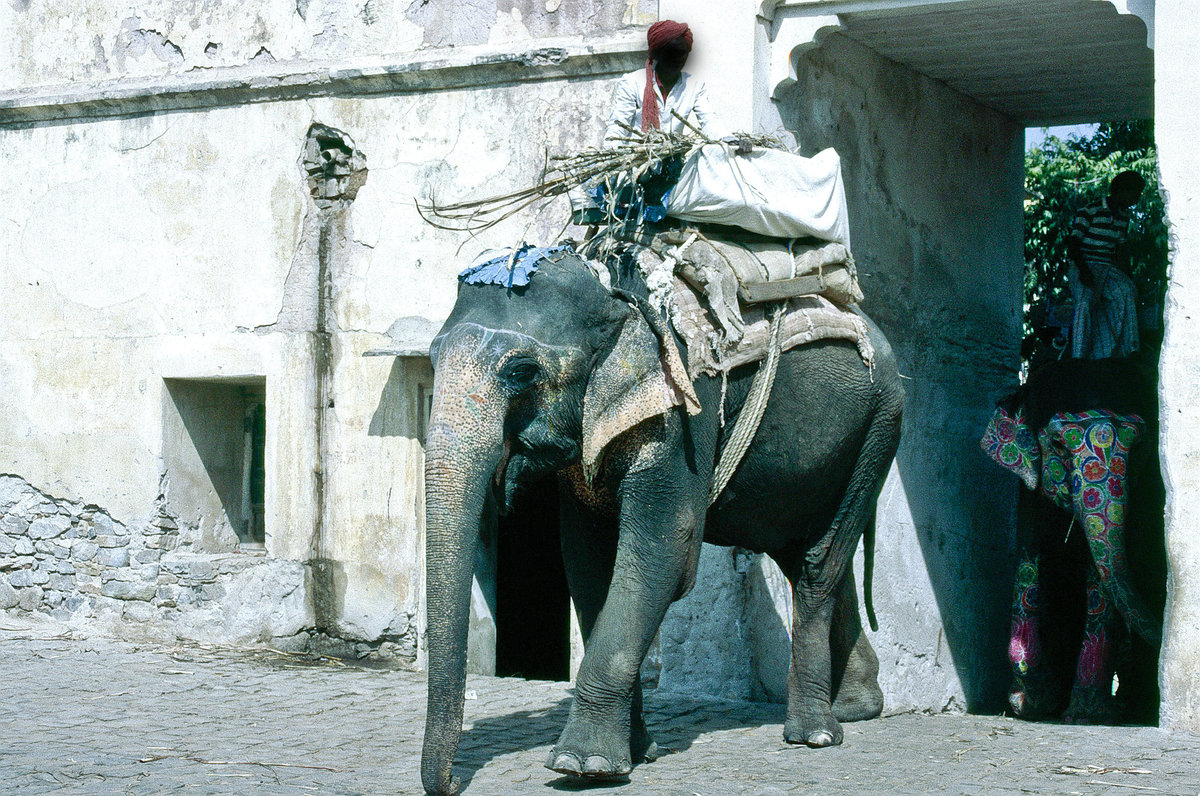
1083 459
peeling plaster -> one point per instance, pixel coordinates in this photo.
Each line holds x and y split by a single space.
133 42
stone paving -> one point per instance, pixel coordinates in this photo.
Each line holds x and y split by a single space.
101 716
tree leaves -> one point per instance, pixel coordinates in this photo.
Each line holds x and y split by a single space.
1062 176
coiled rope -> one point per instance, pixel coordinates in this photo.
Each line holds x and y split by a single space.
746 425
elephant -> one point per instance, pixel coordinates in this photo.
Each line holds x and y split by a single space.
571 375
1089 587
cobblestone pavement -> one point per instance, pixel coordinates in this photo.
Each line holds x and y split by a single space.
99 716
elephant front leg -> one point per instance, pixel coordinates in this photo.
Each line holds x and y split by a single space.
1032 693
1091 697
604 734
589 548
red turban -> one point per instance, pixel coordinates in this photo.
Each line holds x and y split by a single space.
659 34
662 32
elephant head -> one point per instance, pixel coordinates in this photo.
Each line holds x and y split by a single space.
528 381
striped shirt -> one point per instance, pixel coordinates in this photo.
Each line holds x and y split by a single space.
1099 230
1105 322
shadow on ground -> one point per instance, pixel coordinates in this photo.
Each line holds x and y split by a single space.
676 722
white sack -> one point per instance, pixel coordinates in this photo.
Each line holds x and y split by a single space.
768 191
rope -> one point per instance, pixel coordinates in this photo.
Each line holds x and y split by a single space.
746 425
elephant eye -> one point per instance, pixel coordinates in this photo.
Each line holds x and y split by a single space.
520 373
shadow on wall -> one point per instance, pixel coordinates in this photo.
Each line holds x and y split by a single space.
405 401
933 183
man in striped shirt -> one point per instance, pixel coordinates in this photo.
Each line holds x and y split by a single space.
1105 323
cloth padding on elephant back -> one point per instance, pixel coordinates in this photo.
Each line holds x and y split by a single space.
808 319
629 386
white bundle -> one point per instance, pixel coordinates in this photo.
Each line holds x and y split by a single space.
768 191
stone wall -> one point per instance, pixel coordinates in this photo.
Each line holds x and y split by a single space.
76 563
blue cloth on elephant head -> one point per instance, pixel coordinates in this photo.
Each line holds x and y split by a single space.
502 267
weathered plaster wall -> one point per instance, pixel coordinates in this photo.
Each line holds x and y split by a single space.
1177 39
47 42
933 182
183 245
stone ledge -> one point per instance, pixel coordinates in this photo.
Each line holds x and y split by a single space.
440 70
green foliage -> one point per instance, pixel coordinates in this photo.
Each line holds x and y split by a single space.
1062 176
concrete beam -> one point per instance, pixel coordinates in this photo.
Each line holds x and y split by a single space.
437 70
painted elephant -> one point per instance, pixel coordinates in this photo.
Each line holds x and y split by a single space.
1090 581
568 375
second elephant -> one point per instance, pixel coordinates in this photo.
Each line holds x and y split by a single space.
1090 582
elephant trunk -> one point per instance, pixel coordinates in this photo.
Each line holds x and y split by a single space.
1107 547
463 449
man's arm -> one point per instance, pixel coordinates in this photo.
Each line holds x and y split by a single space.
709 122
1079 228
623 110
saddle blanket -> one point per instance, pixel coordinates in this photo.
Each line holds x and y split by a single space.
806 320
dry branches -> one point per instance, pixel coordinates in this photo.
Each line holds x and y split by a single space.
625 160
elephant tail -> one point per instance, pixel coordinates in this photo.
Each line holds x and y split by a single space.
869 571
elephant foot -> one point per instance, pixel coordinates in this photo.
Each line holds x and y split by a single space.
642 748
585 750
817 729
859 703
1024 703
1091 706
1033 695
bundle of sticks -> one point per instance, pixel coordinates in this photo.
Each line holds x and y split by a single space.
625 160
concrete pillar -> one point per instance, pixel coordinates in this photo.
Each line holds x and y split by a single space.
1177 39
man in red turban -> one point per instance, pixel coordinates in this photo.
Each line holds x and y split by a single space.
646 98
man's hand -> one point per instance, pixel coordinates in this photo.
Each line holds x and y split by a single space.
741 146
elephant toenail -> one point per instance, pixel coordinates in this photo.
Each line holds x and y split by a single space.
564 763
596 764
820 738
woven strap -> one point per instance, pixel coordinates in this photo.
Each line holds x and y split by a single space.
746 425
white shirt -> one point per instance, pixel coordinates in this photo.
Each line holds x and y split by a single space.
687 97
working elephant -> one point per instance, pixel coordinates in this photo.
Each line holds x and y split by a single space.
1090 581
566 375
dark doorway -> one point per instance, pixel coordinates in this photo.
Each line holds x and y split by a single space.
532 601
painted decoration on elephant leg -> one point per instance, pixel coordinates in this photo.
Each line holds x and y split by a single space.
1091 696
1027 695
1024 646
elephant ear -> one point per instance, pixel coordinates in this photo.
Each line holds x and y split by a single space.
1010 443
642 376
